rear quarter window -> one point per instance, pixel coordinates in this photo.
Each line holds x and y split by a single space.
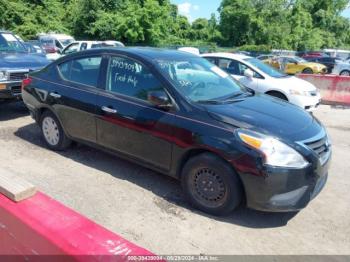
83 71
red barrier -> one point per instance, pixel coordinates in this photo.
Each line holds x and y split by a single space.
42 226
334 89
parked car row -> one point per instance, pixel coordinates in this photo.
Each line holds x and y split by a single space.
264 79
15 64
294 64
314 63
185 117
18 58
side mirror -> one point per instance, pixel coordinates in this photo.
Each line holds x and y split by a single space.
248 73
159 99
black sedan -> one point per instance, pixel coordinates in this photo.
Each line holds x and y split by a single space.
180 115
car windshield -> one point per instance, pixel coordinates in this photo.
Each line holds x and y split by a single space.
47 41
66 42
9 43
299 59
199 80
265 68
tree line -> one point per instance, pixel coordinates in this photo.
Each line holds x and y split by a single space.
249 24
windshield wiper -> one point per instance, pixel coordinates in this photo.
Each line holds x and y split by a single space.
209 101
237 97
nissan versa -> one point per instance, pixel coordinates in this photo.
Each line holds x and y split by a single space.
178 114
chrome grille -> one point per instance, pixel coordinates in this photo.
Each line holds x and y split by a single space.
17 76
16 90
321 147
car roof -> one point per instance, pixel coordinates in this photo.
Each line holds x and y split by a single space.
147 53
57 36
227 55
289 56
6 32
87 41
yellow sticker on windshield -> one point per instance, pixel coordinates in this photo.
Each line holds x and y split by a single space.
219 72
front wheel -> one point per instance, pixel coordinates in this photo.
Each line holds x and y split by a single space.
278 95
345 73
53 133
308 71
211 185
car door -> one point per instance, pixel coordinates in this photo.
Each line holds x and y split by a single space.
127 122
75 94
236 69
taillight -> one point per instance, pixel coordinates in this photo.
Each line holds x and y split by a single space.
51 50
26 82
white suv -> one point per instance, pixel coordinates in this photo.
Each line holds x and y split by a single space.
262 78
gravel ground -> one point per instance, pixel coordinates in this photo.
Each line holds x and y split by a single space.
148 208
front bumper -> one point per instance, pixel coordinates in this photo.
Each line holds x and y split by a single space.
309 103
10 90
285 189
53 56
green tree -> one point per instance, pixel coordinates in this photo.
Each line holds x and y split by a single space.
292 24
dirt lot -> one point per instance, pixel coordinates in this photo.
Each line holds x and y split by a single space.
148 208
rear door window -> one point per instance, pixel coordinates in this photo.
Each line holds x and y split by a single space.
83 46
83 71
211 60
232 66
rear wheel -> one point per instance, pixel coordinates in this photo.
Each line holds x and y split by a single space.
211 185
345 73
52 132
308 71
278 95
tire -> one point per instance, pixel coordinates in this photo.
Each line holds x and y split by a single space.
278 95
308 71
53 133
345 73
207 172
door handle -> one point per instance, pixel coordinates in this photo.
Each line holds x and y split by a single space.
55 95
109 110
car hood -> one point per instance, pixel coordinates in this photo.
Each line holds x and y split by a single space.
291 82
22 61
267 115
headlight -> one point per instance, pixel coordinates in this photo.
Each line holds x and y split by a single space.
3 75
275 152
299 92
